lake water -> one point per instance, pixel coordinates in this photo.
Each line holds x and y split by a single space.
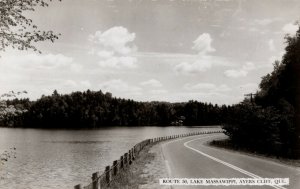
59 159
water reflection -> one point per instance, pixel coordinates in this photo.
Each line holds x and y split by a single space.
63 158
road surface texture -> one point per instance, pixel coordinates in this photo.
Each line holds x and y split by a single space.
191 157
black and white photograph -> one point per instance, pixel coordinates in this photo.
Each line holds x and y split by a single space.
149 94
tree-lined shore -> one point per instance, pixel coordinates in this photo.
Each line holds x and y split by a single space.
266 122
94 109
269 123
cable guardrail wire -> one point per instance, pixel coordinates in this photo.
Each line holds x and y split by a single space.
111 172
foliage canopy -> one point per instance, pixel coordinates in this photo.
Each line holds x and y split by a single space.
272 123
16 29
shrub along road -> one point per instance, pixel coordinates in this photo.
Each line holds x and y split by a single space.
191 158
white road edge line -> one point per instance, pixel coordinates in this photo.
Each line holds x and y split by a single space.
168 168
175 140
205 136
225 163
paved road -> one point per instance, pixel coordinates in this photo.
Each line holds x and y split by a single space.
190 158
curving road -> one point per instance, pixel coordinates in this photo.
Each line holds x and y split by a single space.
190 158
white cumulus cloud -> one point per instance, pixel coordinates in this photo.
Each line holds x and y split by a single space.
203 61
113 48
116 39
203 44
200 65
290 29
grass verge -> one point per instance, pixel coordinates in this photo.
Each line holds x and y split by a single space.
137 175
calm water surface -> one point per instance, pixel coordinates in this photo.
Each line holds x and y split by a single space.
63 158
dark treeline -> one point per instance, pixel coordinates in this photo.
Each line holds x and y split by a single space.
94 109
269 123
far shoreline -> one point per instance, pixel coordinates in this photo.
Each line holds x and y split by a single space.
109 127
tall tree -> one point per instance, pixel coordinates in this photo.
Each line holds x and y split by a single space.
9 111
16 29
290 80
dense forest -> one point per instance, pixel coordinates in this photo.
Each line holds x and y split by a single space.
270 122
94 109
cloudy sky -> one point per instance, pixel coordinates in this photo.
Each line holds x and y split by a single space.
167 50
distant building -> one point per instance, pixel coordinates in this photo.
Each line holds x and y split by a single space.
179 121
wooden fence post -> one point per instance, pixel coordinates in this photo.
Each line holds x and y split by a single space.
125 159
95 179
121 162
115 165
130 157
107 174
78 186
133 154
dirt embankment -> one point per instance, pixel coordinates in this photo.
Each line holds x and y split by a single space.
145 171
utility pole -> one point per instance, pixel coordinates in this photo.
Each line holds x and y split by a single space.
251 95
